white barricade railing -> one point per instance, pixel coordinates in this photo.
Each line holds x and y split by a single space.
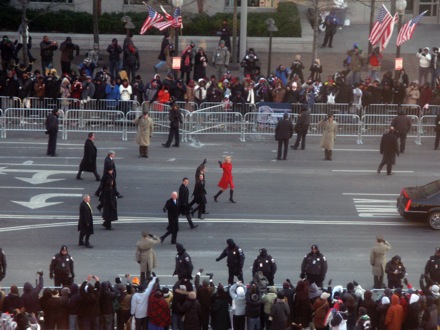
337 108
10 102
188 106
219 123
29 120
157 106
105 121
261 123
41 103
392 109
427 127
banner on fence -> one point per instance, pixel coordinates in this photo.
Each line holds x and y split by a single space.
270 112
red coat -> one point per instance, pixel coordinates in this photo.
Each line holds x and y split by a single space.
395 317
227 178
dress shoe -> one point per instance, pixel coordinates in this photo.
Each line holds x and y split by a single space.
194 227
161 240
232 201
108 228
78 177
278 158
215 198
119 196
53 155
294 147
176 145
205 212
81 243
97 178
165 145
200 218
89 246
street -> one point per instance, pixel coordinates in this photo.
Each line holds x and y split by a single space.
283 206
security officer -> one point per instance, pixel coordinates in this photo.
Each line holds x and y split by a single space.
234 262
184 266
62 268
266 264
2 264
314 266
432 268
395 271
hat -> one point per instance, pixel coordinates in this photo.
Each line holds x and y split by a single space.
435 288
135 281
325 295
385 301
314 291
145 112
240 291
222 42
380 238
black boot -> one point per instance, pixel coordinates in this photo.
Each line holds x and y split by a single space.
218 194
78 176
97 177
231 195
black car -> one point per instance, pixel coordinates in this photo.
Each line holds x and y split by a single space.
421 203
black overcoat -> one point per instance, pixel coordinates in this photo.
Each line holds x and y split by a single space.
389 148
85 222
88 163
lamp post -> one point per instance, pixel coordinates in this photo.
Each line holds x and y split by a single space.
177 4
128 24
400 7
271 27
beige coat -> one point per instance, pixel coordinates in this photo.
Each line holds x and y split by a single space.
329 130
378 258
145 130
145 255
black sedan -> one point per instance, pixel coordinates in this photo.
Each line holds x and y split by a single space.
421 203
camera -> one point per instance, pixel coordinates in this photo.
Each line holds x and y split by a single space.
210 275
40 272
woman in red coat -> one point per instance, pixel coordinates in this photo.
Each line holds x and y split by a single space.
226 180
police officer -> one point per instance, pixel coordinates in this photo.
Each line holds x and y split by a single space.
234 262
62 268
184 266
266 264
432 268
314 266
2 264
395 271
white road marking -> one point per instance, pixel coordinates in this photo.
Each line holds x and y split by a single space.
369 194
40 188
40 176
39 201
368 171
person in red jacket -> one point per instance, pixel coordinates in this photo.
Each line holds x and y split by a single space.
226 179
395 316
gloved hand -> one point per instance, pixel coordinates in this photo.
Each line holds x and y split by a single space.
219 162
302 275
355 283
153 273
217 259
205 161
139 261
420 50
51 276
164 209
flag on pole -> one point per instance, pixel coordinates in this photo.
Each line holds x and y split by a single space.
407 30
382 28
174 22
152 18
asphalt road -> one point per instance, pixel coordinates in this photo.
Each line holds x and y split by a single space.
284 206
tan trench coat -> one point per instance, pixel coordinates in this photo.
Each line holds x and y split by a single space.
145 255
378 258
145 130
329 130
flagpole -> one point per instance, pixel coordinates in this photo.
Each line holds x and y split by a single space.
400 6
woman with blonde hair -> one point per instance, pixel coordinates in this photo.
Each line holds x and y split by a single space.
226 179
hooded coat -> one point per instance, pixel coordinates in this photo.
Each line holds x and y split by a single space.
280 314
30 296
395 315
184 266
145 255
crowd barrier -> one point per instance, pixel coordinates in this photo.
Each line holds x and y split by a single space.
242 120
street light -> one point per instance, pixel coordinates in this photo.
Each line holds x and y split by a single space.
400 7
271 27
128 24
177 4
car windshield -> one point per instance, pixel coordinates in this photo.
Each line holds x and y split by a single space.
431 188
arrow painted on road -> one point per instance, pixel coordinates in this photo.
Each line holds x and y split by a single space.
40 176
39 201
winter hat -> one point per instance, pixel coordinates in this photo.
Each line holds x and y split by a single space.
135 281
435 288
325 295
414 298
385 301
240 291
314 291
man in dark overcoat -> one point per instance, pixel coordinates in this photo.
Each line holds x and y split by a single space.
172 206
175 120
88 163
402 125
185 208
389 148
52 131
109 164
85 222
283 132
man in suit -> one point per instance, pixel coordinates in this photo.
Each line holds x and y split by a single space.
109 164
183 200
283 133
88 163
175 120
172 206
85 222
389 148
52 131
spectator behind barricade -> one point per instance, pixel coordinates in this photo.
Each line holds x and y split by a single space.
76 89
220 59
99 90
320 308
107 311
162 54
268 300
73 306
237 292
315 70
47 48
225 34
53 83
186 63
169 81
88 314
204 293
178 90
67 48
356 63
200 64
374 63
24 88
425 95
297 68
152 89
395 314
112 91
88 90
125 90
250 61
412 93
278 92
424 58
7 51
114 51
220 302
12 300
87 66
399 93
249 93
214 91
138 89
190 95
163 97
30 295
282 73
131 59
289 293
159 313
253 308
200 92
191 312
180 290
387 93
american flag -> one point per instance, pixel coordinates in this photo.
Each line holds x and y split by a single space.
174 22
407 30
383 28
153 17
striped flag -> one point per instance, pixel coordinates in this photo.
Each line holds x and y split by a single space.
383 28
152 18
174 22
407 30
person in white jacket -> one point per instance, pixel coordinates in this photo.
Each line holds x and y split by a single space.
424 65
139 304
237 292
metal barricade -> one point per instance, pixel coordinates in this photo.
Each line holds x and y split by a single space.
215 123
188 106
427 127
105 121
261 123
145 105
157 106
377 125
10 102
392 109
29 120
213 107
337 108
41 103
